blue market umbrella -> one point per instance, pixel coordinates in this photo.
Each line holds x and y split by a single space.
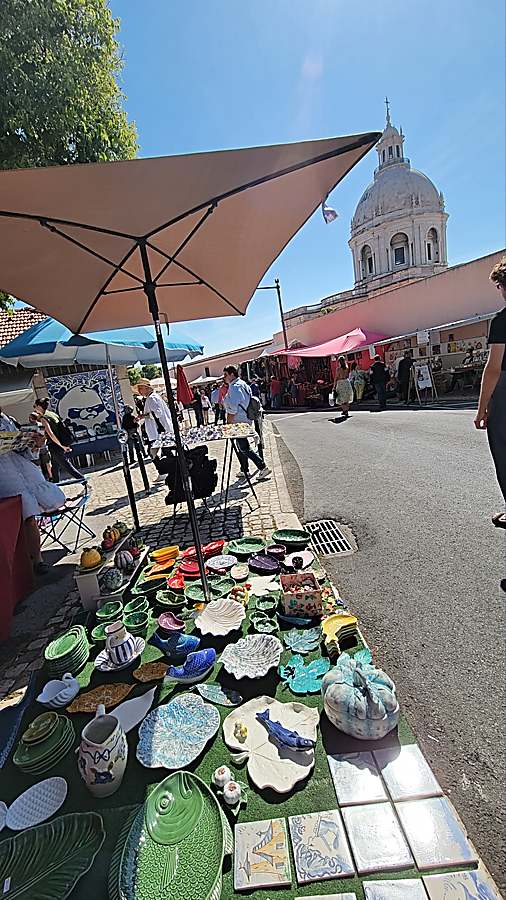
49 343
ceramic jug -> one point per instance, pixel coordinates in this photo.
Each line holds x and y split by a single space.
102 754
119 643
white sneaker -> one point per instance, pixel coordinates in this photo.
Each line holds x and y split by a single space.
264 473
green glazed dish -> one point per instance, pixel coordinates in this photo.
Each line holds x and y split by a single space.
148 587
291 537
262 623
137 605
170 600
110 611
68 644
218 588
136 623
98 634
245 546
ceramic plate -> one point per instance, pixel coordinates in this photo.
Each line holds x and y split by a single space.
131 712
36 804
104 664
252 656
220 617
246 546
307 557
221 563
268 765
173 735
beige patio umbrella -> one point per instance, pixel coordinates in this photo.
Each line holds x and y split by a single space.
193 234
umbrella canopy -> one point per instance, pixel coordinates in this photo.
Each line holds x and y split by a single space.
184 392
203 380
51 343
345 343
86 243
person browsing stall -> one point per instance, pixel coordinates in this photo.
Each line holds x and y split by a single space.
236 404
156 416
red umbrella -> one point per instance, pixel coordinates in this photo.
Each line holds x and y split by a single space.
184 392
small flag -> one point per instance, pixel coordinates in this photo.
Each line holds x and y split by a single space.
329 214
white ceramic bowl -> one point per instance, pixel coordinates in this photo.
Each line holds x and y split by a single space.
252 656
220 617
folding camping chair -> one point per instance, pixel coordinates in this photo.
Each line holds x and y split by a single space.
54 525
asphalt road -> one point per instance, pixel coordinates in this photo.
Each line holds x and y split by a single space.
418 489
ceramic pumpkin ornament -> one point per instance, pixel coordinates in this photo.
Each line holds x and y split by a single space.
124 561
90 557
360 699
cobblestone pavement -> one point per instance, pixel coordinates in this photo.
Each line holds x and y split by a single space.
49 609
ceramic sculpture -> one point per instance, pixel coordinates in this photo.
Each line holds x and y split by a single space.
176 646
174 734
174 847
219 617
284 737
252 656
270 766
119 643
58 693
195 667
102 754
360 699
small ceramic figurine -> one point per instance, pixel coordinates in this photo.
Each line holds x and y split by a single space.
221 776
283 736
240 732
232 793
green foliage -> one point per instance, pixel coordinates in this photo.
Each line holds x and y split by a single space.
59 99
6 302
134 375
151 371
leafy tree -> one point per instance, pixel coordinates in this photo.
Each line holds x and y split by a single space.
134 375
60 102
6 302
151 371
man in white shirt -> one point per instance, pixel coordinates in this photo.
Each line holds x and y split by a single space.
156 415
236 403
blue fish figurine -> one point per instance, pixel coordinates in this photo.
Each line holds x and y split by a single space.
195 667
177 645
283 736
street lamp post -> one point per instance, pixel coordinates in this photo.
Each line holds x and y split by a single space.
277 287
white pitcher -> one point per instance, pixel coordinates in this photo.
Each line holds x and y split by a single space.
102 754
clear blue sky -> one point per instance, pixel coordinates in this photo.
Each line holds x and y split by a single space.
213 74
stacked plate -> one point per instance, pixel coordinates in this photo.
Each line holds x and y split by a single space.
67 653
44 743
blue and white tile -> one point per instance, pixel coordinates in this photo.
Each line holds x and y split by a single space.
356 779
376 838
475 885
320 847
347 896
402 889
407 773
261 856
436 836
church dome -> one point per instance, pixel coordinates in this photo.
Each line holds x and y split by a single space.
397 189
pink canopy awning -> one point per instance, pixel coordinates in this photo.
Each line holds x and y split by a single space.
345 343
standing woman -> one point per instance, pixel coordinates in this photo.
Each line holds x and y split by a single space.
58 437
492 406
343 391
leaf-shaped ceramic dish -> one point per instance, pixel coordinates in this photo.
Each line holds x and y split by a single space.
170 600
173 735
215 693
220 617
303 641
47 861
263 623
246 546
291 537
35 805
218 587
252 656
263 564
174 847
151 671
131 712
268 765
107 694
301 678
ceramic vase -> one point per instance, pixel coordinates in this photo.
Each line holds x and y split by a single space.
120 644
102 754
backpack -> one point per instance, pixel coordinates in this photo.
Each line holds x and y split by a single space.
253 409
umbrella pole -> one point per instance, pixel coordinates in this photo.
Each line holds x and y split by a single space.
123 447
150 291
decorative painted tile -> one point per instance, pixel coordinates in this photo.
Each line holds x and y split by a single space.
261 857
376 838
435 834
475 885
320 848
403 889
348 896
356 779
407 773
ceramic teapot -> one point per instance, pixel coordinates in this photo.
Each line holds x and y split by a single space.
102 754
120 644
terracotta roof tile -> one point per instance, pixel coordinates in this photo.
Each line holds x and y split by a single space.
15 323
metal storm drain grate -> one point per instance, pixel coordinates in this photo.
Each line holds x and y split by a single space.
328 537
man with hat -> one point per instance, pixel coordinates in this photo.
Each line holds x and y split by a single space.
156 415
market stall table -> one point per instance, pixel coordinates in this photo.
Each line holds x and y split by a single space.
17 569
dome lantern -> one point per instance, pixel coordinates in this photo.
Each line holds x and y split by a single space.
390 145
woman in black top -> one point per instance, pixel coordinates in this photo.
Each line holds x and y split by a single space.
492 406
